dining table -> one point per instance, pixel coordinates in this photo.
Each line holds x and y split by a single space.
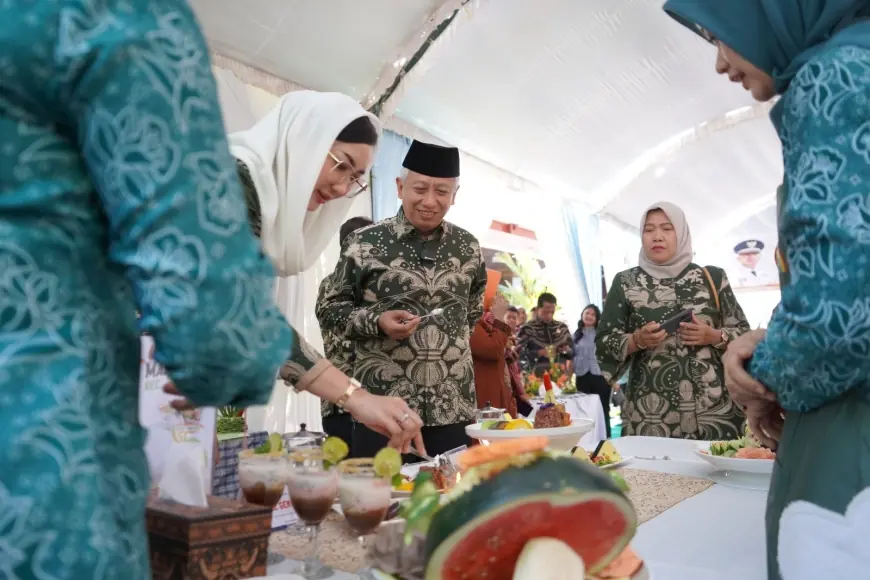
717 534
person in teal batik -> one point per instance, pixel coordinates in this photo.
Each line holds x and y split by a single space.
118 194
812 365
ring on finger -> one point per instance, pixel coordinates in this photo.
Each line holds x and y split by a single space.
404 418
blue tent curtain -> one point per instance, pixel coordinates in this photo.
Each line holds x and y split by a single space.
388 165
583 236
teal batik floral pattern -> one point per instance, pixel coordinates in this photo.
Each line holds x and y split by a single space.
817 346
117 194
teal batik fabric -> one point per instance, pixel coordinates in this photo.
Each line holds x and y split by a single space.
117 194
817 346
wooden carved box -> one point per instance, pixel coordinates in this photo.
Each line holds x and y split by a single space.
228 540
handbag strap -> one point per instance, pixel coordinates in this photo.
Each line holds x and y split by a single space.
713 289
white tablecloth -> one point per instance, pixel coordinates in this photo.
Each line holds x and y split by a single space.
583 406
715 535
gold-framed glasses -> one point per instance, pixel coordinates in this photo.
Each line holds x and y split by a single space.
346 172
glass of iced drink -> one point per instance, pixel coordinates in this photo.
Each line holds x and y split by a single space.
262 477
365 499
313 488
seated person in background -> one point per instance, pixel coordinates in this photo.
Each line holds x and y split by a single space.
489 343
336 421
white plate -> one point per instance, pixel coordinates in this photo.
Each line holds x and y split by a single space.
561 438
726 464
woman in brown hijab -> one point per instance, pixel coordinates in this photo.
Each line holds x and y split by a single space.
489 341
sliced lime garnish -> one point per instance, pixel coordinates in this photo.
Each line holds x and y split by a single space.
276 443
334 450
388 462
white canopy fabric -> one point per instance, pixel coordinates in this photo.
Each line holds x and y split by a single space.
575 97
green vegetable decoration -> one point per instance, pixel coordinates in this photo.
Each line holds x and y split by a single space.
422 506
231 420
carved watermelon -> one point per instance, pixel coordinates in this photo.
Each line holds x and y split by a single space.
480 535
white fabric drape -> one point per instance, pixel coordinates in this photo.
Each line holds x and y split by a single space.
242 106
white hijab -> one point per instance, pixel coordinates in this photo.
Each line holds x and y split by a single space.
682 257
284 153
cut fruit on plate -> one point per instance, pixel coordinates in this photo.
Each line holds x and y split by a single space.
518 424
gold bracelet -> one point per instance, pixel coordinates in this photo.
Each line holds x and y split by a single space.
351 389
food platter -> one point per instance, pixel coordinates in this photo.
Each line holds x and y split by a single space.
732 464
561 438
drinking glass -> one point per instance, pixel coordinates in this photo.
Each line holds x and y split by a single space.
262 477
312 488
365 499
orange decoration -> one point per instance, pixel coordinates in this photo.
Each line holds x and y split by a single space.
493 278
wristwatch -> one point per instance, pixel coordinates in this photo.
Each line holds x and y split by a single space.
351 389
724 342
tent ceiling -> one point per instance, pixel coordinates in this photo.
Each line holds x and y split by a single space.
564 93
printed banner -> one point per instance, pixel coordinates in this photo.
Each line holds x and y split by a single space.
165 425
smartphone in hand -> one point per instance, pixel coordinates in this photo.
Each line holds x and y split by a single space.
673 324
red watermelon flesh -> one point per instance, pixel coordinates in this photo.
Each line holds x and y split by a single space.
490 551
481 533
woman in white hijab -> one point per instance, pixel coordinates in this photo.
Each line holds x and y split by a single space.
675 382
300 167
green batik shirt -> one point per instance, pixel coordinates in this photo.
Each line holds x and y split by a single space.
390 266
303 356
674 390
339 351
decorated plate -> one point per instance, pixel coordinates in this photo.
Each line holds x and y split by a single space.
760 466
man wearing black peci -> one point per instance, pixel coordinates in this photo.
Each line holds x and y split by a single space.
390 276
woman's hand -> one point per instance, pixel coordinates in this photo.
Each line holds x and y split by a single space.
766 421
651 335
743 388
389 416
697 333
499 307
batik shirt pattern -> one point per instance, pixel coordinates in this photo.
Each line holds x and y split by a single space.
390 266
338 350
673 390
817 345
538 335
118 194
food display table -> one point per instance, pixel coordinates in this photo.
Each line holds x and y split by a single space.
585 407
717 534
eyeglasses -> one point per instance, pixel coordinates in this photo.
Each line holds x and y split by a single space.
346 170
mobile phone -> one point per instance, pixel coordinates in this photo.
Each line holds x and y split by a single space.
673 324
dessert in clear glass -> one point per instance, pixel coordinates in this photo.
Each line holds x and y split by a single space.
262 477
365 499
313 488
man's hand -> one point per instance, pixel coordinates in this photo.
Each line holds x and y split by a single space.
743 388
697 333
398 324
